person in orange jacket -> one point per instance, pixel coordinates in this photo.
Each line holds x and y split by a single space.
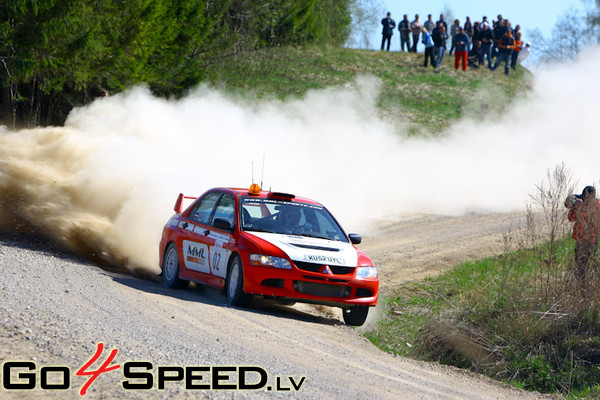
584 210
505 50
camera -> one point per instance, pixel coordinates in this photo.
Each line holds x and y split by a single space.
572 199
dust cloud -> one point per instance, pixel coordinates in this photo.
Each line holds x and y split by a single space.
105 183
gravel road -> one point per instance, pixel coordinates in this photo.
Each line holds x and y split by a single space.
56 307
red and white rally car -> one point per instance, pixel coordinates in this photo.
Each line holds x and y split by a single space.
251 242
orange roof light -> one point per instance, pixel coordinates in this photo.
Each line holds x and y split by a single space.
254 190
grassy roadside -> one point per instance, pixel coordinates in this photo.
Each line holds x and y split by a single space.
496 316
411 95
520 317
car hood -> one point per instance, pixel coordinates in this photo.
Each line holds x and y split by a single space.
312 250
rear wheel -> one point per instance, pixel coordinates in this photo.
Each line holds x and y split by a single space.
235 284
355 316
171 268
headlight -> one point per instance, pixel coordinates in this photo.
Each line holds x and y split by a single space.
366 272
269 261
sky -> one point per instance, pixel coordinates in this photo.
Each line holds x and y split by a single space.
530 14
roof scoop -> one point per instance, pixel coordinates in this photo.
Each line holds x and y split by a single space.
281 196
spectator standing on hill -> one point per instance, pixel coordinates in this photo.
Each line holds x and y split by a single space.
415 28
516 30
453 32
469 29
500 20
476 29
486 43
460 42
429 24
443 21
440 37
516 50
388 30
484 20
507 27
584 210
497 34
404 29
524 53
428 42
475 41
505 49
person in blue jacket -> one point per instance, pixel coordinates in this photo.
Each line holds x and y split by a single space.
428 42
388 30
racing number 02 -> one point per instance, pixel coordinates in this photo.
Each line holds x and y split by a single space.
216 261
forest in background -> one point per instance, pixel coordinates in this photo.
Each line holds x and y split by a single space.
56 55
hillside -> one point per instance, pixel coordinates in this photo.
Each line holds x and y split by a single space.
424 100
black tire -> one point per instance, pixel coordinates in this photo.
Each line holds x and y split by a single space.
234 287
355 316
170 268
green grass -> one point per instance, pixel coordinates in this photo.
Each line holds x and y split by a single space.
518 317
417 97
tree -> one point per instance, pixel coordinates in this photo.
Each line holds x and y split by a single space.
569 36
593 18
37 39
283 22
365 15
58 54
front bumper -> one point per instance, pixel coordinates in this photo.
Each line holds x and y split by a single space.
306 283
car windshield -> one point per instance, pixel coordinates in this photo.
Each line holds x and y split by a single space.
287 217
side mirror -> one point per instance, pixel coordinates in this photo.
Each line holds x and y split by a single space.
355 238
220 223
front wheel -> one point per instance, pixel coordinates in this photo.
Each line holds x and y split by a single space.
171 269
235 285
355 316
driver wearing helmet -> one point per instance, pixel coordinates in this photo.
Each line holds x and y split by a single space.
289 217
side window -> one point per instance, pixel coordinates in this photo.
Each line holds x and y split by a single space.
204 208
226 209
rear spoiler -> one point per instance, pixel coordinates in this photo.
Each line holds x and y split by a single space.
179 203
